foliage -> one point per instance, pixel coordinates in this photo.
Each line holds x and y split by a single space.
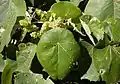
50 41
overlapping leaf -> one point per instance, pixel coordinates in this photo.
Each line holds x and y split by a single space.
105 63
65 9
9 68
24 56
113 29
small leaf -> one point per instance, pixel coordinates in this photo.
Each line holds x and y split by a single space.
87 30
24 56
97 28
63 9
56 51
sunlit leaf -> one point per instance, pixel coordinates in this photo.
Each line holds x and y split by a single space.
103 9
105 63
7 23
57 50
66 9
20 7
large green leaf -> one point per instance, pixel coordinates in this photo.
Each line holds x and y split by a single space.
24 56
103 8
9 10
57 50
65 9
105 63
31 78
20 7
7 22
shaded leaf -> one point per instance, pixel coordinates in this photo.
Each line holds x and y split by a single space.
24 56
57 50
92 73
7 72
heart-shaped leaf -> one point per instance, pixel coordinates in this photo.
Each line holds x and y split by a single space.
105 63
65 9
57 50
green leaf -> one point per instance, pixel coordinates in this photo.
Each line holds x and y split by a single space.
31 78
24 56
97 28
87 31
56 51
106 64
7 22
113 29
92 73
63 9
9 10
20 7
7 72
2 63
103 9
